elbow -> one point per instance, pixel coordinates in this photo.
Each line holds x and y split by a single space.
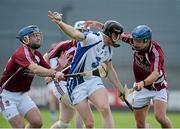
75 36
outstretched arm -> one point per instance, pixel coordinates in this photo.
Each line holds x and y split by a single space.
44 72
67 29
127 38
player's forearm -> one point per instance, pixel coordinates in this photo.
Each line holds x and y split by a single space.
126 38
41 71
151 78
70 31
114 80
67 29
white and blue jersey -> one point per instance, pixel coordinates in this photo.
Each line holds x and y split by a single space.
90 53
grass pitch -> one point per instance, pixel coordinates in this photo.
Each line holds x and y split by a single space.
122 120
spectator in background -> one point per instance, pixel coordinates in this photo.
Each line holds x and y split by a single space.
17 77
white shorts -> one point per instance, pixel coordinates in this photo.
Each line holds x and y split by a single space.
50 85
143 97
60 90
16 103
85 89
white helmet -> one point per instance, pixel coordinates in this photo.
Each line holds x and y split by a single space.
79 25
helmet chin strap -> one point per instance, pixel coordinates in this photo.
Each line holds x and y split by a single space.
116 40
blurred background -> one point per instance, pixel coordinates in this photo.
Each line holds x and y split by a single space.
163 16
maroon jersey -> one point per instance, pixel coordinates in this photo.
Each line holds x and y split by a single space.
147 61
68 46
16 76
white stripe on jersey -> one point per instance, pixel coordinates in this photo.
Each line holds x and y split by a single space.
156 62
3 86
26 51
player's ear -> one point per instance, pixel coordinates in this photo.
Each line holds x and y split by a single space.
26 39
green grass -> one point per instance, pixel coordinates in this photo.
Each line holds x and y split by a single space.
122 120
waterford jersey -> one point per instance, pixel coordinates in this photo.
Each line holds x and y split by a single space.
90 53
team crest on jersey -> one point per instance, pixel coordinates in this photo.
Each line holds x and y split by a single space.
95 64
37 59
142 64
140 57
101 52
7 103
27 72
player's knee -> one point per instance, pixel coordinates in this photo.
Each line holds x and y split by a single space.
160 118
16 122
36 123
105 110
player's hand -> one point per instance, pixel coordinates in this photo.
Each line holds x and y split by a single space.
138 86
48 79
125 93
122 96
55 16
59 76
64 60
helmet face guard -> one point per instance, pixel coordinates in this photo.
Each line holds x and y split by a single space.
111 27
116 42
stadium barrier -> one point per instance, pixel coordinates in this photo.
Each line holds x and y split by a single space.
40 95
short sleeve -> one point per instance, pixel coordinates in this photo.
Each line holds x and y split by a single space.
90 38
42 61
22 58
157 59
